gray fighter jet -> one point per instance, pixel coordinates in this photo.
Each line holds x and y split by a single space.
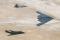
13 32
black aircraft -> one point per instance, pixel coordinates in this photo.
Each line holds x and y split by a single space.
20 6
43 18
13 32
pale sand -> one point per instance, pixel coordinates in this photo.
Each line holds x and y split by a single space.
31 33
24 19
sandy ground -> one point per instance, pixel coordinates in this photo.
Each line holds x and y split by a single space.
24 19
31 33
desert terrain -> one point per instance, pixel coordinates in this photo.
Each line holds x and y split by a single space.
25 19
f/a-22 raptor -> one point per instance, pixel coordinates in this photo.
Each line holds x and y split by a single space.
13 32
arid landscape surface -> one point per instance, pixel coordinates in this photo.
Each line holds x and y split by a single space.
25 19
